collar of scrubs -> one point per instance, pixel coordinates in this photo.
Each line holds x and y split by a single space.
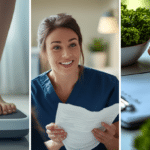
51 94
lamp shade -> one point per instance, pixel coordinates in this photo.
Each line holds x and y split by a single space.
107 24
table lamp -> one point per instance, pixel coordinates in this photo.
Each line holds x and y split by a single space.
107 24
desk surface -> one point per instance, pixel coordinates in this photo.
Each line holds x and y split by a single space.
127 139
22 103
143 65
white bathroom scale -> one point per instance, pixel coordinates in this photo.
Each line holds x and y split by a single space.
135 90
15 125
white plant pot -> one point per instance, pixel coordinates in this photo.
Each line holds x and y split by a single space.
99 59
130 55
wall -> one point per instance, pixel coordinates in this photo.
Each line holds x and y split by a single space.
86 12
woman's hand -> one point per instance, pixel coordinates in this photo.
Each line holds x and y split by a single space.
56 134
109 137
51 145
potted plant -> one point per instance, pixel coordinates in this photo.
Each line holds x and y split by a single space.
142 141
135 33
98 48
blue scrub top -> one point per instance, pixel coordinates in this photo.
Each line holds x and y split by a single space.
94 91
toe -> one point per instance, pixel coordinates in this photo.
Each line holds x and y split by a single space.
1 110
4 109
9 109
13 107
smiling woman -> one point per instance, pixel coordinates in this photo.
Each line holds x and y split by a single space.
60 41
63 54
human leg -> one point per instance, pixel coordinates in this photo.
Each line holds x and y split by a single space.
6 13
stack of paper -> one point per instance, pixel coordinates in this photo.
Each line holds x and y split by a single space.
78 122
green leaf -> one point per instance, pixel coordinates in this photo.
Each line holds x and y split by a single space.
135 26
97 45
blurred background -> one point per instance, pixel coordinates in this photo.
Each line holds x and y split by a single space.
88 14
136 3
14 68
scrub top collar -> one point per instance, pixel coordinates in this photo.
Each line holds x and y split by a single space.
50 93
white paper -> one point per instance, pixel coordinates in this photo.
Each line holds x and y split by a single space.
78 122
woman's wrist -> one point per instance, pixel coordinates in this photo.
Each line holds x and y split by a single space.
51 145
114 145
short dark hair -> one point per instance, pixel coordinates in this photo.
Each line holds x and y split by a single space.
53 22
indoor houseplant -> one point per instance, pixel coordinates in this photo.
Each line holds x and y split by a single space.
98 49
135 32
142 141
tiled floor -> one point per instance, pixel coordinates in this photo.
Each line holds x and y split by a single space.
22 103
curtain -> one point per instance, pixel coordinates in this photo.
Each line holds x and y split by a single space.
14 65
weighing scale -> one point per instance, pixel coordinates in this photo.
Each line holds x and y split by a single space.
15 125
135 92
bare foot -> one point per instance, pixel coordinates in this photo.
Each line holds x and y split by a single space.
6 108
149 51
